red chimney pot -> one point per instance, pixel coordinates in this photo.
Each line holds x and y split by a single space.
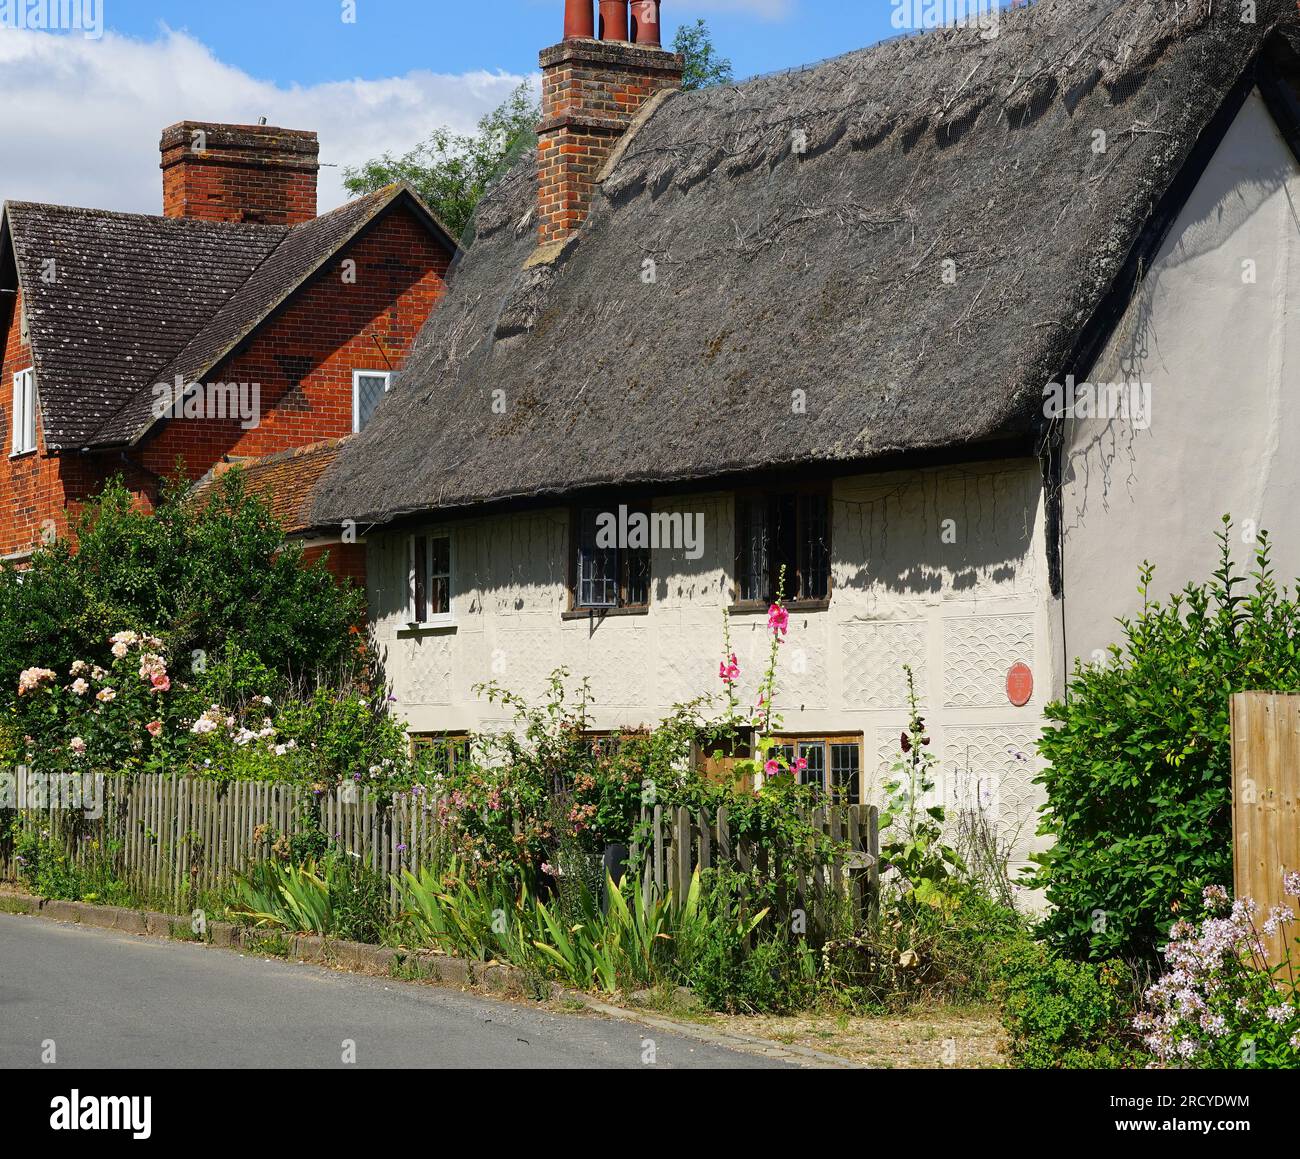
645 23
613 20
579 20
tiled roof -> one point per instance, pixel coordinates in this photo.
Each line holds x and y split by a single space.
285 480
112 298
135 300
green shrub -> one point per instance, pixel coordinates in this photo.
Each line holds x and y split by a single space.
736 960
1066 1015
215 580
46 869
1139 769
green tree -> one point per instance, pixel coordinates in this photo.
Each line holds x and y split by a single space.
704 67
451 171
215 578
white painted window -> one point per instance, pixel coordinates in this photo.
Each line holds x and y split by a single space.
368 390
24 413
429 558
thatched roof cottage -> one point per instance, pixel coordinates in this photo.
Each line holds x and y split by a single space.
851 319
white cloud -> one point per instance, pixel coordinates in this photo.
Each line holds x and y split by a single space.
80 119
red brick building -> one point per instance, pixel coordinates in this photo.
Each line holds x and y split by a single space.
237 325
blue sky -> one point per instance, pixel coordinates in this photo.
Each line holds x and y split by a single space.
305 42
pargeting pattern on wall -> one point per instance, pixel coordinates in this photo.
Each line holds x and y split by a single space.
426 669
873 655
978 651
992 767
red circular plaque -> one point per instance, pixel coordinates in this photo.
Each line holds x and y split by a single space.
1020 685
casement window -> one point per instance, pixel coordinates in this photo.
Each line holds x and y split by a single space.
775 528
607 575
429 582
443 753
368 390
24 413
834 764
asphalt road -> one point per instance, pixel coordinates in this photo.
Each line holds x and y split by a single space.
110 1000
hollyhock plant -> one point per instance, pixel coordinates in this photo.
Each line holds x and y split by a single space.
778 619
1219 1004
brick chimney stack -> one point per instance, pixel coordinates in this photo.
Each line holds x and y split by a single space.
592 90
252 173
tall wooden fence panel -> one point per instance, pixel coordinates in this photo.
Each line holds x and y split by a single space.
1266 800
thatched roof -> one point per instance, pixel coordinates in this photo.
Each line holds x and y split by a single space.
820 271
135 299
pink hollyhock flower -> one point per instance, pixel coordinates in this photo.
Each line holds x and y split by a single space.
729 672
161 682
801 764
778 620
154 728
772 768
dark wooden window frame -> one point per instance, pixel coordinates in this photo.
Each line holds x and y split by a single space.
580 611
797 603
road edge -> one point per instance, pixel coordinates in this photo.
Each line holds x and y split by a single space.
400 965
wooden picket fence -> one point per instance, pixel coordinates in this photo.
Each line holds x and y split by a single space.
680 841
173 839
170 839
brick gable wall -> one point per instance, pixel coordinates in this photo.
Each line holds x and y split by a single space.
303 358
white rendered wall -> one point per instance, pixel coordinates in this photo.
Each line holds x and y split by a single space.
1224 433
960 613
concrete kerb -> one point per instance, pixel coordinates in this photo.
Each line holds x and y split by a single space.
416 966
354 957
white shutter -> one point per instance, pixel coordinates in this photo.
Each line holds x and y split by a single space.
17 414
29 430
